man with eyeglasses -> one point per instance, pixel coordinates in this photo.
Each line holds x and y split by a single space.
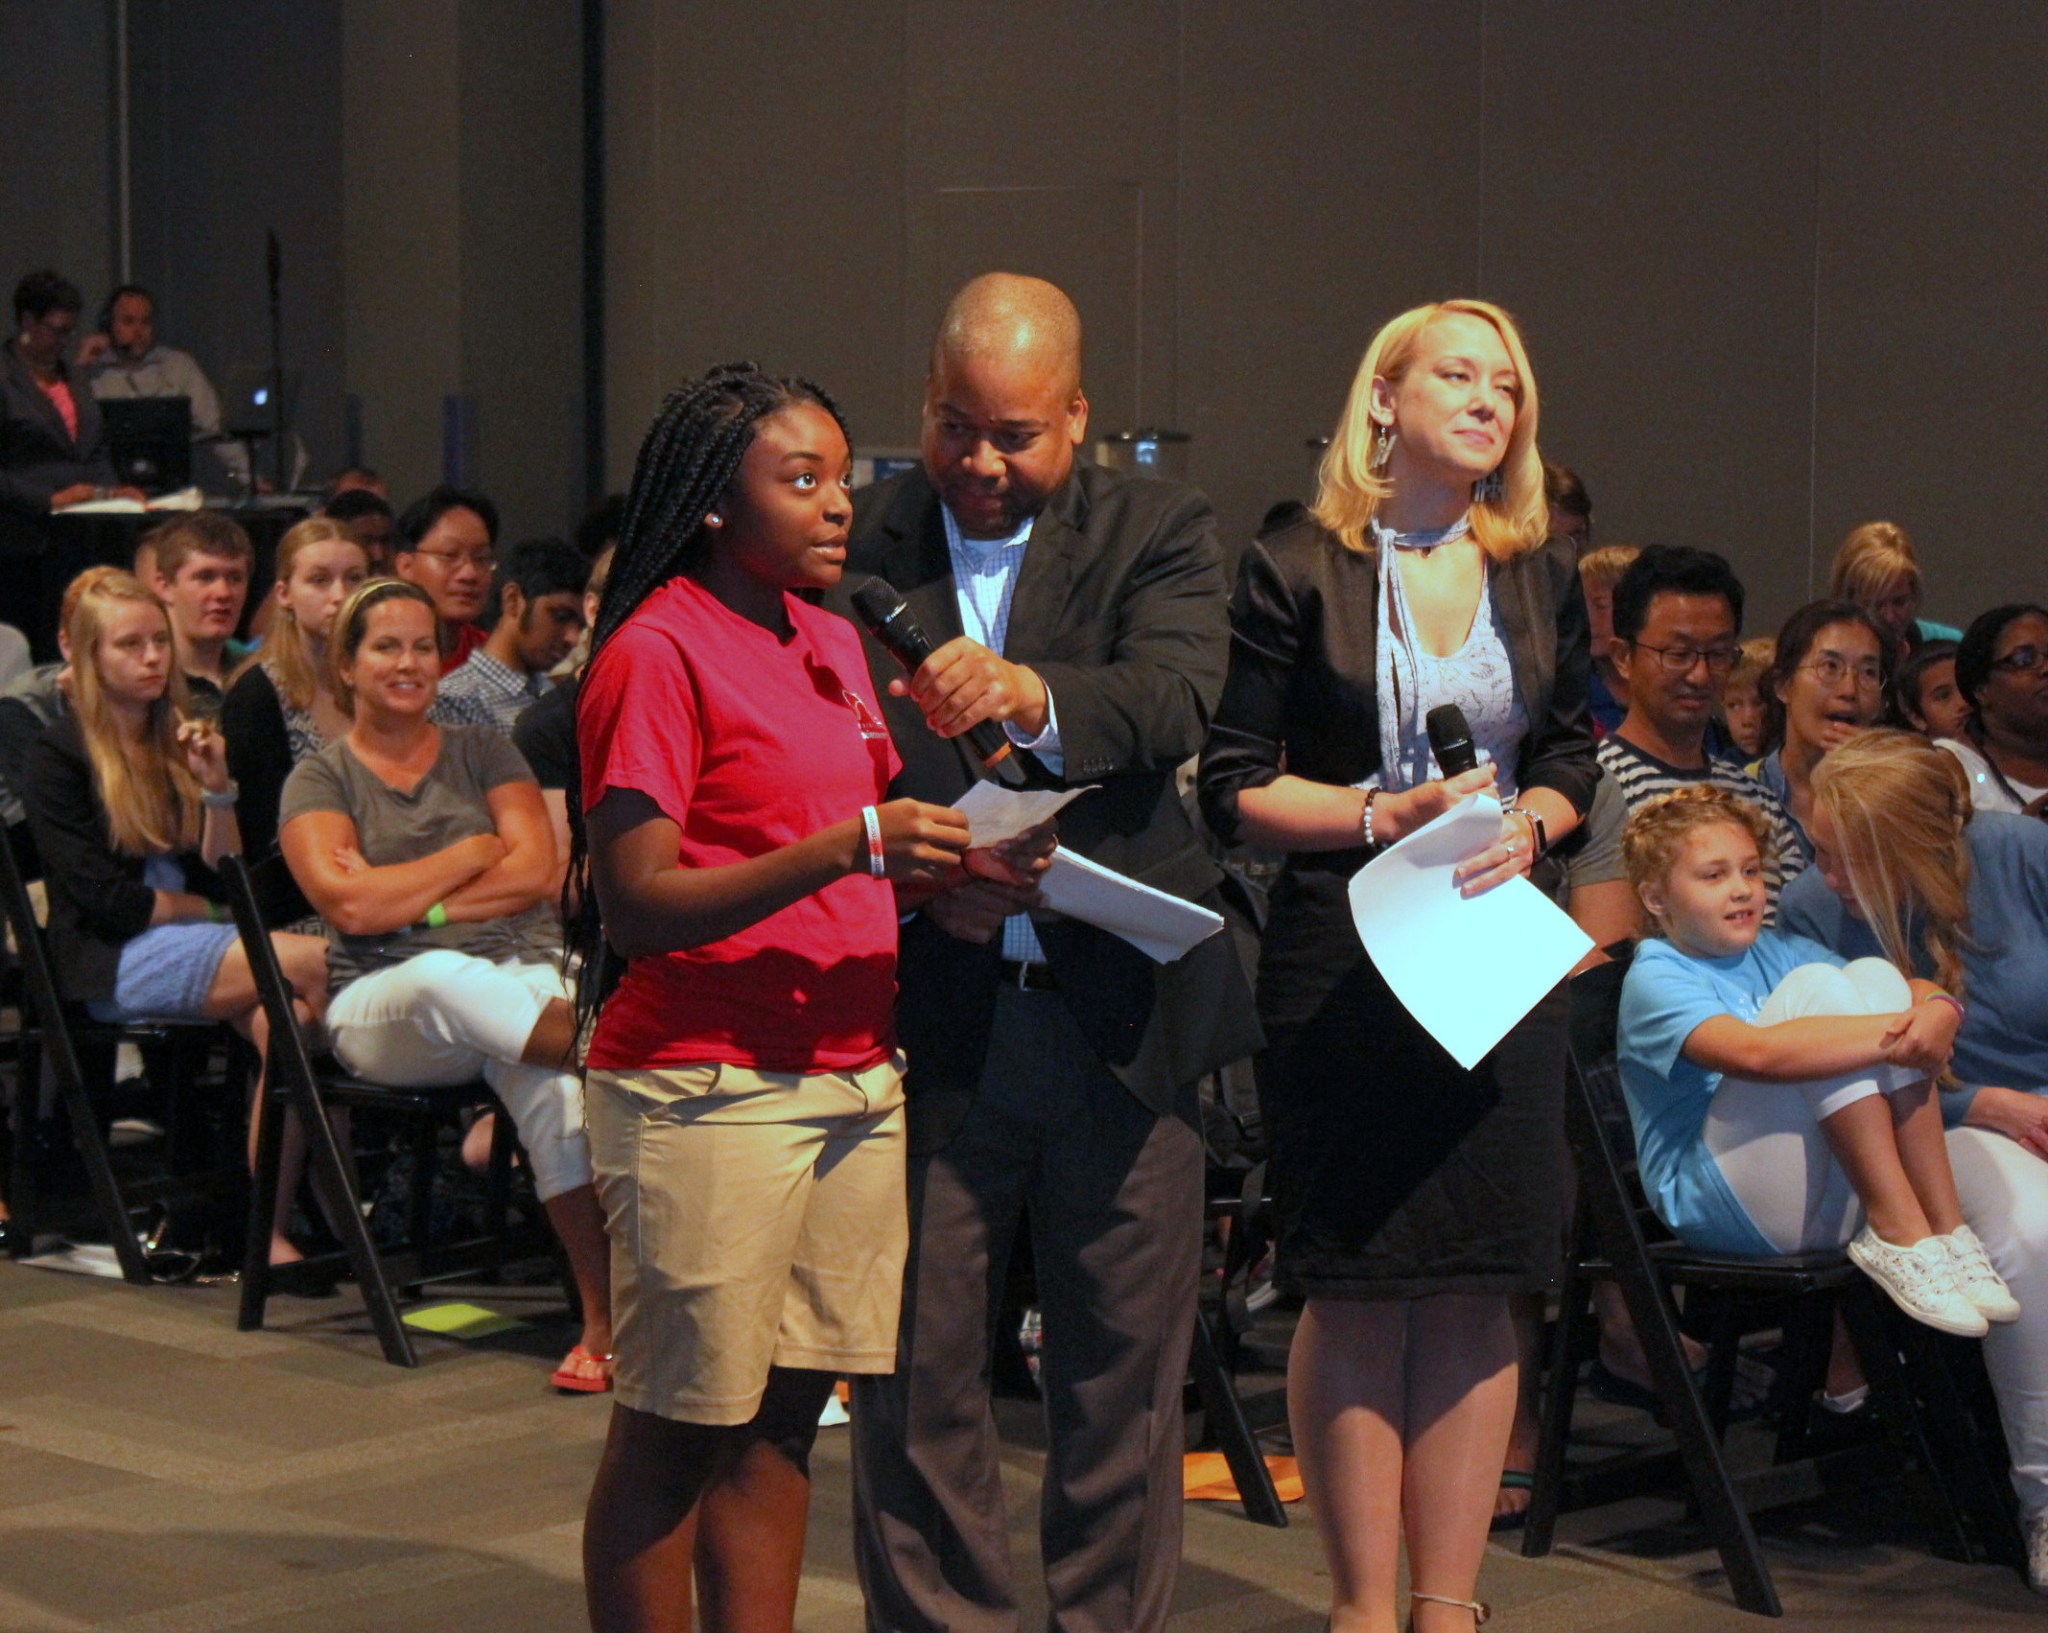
51 453
447 545
1677 618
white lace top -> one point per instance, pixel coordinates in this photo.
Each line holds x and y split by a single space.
1477 678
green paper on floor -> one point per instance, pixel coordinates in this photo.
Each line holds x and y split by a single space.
457 1320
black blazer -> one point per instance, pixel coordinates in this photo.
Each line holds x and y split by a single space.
98 901
1302 697
259 757
37 455
1120 607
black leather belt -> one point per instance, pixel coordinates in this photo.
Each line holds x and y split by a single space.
1035 976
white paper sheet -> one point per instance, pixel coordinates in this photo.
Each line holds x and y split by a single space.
1160 926
1467 968
183 499
995 813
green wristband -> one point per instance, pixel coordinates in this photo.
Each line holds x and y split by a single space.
437 915
215 913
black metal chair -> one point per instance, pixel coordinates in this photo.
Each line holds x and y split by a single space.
78 1054
1947 1477
1239 1196
264 895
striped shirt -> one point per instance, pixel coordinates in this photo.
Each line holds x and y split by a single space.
1643 777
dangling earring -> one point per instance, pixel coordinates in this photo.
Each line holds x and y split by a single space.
1489 488
1382 450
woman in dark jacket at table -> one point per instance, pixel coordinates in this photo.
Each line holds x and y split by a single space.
1414 1197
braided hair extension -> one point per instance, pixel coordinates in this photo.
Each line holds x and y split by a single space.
686 463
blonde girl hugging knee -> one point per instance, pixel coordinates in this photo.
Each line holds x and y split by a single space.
1780 1095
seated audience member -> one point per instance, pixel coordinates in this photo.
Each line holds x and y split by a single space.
1781 1094
202 574
367 516
51 451
423 846
1677 613
2002 672
1830 678
1925 697
281 708
131 808
546 733
15 658
539 593
1599 571
447 544
1571 507
28 705
598 532
1903 869
1743 715
126 361
353 479
1877 569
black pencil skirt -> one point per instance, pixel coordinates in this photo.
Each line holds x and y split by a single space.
1395 1172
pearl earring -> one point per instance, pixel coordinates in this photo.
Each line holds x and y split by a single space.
713 519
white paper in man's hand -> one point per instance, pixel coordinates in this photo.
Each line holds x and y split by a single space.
995 813
1160 926
1467 968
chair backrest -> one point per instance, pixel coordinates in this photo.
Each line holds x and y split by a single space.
39 977
260 896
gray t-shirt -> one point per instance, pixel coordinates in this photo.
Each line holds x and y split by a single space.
448 805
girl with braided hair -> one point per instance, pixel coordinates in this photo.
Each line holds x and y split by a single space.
743 1087
1905 869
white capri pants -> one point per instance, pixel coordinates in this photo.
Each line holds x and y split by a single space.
2004 1191
442 1018
1766 1137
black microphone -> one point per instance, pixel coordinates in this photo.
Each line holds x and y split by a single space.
1450 739
891 622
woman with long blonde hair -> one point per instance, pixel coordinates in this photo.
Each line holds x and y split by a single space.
1904 868
281 706
1414 1197
131 807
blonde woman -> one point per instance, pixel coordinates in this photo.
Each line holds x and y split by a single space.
1414 1198
1904 868
1877 569
281 707
131 807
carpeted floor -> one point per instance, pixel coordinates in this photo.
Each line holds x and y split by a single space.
162 1473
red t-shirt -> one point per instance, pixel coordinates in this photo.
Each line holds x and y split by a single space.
464 639
748 743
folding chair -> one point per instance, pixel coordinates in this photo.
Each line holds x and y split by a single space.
266 894
1949 1490
1238 1196
55 1034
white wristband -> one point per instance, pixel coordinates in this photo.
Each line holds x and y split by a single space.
878 859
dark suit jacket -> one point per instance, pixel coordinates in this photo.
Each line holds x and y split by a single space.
37 455
1120 607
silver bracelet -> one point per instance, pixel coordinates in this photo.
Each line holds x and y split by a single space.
221 799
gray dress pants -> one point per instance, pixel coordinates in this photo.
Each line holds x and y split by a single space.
1114 1199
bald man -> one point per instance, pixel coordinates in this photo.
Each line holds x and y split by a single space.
1052 1066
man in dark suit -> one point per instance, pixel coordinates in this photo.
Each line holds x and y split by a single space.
1052 1066
50 451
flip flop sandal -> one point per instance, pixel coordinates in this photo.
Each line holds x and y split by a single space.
575 1383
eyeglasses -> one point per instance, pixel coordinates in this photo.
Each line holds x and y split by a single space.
1682 660
482 560
2021 660
1830 670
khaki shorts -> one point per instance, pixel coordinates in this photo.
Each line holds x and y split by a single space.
757 1219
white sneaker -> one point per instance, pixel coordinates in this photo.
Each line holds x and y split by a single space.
2037 1552
1921 1280
1977 1280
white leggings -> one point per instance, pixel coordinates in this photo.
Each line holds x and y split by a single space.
1766 1137
443 1017
2004 1191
